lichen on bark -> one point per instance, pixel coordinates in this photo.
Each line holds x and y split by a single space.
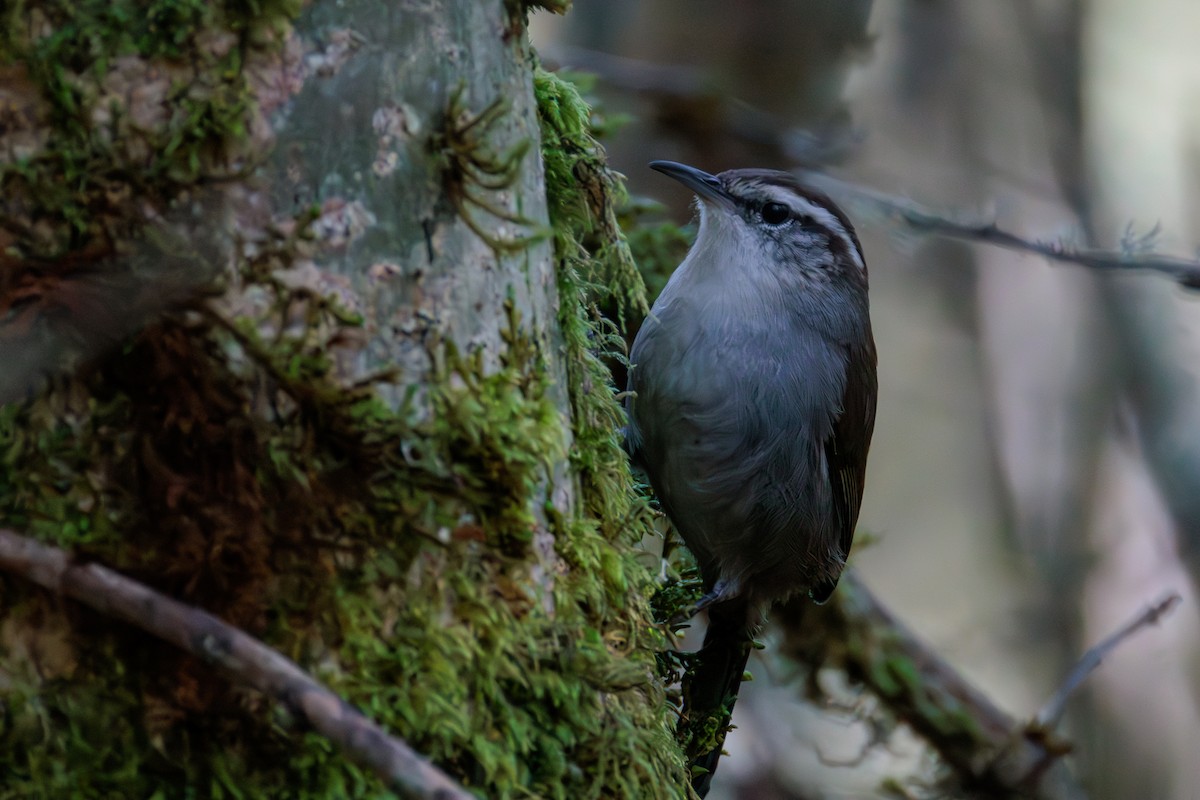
386 448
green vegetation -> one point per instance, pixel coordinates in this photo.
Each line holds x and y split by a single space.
413 555
140 99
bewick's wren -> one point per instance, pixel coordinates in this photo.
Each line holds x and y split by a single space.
752 402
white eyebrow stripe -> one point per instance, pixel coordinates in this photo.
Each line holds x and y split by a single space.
824 217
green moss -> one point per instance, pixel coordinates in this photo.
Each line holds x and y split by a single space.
142 99
410 553
596 270
584 195
56 739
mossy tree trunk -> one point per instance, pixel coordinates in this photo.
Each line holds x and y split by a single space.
308 337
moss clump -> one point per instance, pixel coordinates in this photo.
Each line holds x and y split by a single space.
140 99
584 196
596 269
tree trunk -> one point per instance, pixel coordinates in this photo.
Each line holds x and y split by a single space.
303 339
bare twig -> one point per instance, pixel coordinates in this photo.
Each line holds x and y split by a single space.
680 86
1184 271
1049 714
985 747
243 657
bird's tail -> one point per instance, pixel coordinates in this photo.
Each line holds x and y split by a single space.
711 686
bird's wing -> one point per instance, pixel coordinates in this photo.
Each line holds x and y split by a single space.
846 450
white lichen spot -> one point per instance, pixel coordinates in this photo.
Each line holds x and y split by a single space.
216 41
305 276
23 115
388 122
385 164
340 47
276 76
384 270
341 222
131 107
393 124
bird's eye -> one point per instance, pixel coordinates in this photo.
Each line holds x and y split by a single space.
775 213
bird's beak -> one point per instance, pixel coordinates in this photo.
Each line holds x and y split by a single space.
707 187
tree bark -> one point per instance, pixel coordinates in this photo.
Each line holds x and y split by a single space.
315 355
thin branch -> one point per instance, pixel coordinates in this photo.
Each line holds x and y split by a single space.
1134 257
1050 714
241 656
718 115
1184 271
987 749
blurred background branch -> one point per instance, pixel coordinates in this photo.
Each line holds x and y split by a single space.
1135 255
987 750
1052 712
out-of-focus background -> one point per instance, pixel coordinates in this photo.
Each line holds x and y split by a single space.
1035 475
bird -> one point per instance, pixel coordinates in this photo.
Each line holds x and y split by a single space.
751 404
